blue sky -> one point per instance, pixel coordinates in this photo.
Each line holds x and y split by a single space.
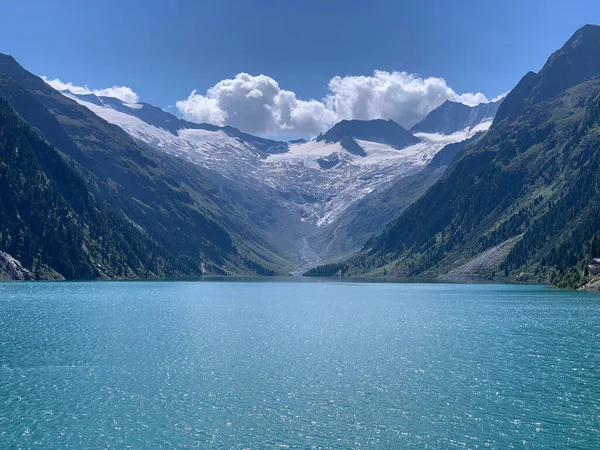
163 50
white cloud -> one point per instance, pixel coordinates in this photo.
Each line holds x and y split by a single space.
123 93
256 104
470 99
400 96
201 109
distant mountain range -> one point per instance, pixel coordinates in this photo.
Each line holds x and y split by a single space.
171 198
520 202
314 185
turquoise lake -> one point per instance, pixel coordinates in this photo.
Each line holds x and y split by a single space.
298 364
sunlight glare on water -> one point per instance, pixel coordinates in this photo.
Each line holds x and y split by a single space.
297 365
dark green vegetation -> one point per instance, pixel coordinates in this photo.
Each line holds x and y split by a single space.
533 180
112 206
327 270
50 222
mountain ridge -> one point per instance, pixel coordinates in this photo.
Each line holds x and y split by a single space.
50 225
451 117
156 116
570 65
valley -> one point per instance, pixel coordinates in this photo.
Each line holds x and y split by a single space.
315 183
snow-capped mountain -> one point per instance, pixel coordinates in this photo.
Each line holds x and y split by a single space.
451 117
384 131
315 181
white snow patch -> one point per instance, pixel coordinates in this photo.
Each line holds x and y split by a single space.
133 105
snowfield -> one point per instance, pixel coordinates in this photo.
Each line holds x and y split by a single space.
353 177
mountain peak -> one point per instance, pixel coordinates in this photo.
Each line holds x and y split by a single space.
585 32
577 60
574 63
378 130
7 58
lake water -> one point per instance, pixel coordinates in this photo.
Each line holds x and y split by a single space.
326 365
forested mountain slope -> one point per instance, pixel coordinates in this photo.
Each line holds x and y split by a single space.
53 226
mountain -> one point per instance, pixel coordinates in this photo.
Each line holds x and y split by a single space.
313 187
451 117
577 61
522 201
51 226
182 210
384 131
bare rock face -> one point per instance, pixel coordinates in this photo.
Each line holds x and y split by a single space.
12 269
451 117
